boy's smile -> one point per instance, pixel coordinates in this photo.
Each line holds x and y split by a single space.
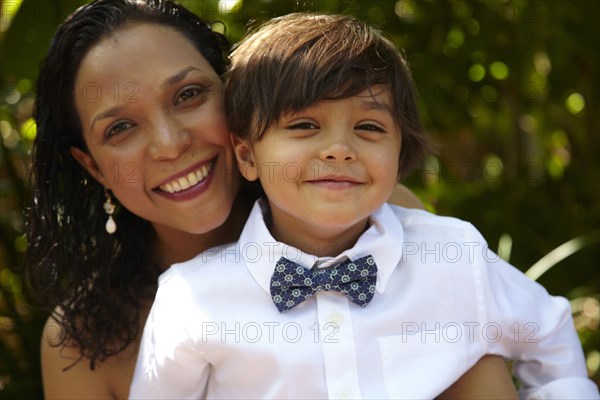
325 169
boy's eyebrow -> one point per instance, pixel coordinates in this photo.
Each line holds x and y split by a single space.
372 104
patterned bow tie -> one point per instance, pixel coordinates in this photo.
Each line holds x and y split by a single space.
291 283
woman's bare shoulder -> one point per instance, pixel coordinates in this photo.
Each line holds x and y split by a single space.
488 379
65 376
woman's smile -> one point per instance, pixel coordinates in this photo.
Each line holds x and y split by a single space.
175 132
188 183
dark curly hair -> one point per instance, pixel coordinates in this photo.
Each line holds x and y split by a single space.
90 282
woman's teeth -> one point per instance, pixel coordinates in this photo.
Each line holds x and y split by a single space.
185 182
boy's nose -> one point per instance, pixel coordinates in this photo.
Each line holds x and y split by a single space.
338 149
168 139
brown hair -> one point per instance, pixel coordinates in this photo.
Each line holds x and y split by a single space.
297 60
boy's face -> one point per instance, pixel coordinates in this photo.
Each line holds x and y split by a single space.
327 168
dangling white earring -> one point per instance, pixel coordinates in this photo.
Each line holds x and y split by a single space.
109 208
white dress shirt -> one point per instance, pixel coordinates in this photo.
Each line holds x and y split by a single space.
442 301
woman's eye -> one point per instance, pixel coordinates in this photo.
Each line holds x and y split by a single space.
117 128
302 125
370 128
189 93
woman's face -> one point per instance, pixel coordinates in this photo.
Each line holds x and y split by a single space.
152 117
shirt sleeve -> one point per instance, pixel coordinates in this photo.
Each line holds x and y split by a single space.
526 324
170 365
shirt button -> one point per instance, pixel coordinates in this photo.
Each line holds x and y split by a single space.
336 318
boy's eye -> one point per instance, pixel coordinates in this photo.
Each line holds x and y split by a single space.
302 125
370 128
190 93
117 128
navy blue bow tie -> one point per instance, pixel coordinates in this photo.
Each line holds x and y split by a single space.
291 283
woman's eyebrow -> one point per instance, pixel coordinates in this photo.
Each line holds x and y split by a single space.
111 112
172 80
178 77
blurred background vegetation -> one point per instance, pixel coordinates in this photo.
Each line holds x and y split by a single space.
508 89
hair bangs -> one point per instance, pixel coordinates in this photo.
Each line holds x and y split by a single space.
292 62
322 69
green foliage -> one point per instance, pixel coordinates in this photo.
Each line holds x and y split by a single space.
20 326
508 90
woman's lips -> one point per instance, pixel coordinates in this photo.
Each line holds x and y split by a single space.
188 183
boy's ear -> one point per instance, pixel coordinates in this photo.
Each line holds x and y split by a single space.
245 157
88 163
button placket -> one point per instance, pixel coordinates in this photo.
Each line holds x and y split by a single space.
338 345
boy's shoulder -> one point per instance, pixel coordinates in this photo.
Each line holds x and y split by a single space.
415 216
418 221
202 266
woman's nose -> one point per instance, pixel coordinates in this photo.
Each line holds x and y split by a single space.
169 139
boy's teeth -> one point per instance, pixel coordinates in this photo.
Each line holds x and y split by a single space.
185 182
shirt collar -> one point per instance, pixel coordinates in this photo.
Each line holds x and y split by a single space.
260 251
